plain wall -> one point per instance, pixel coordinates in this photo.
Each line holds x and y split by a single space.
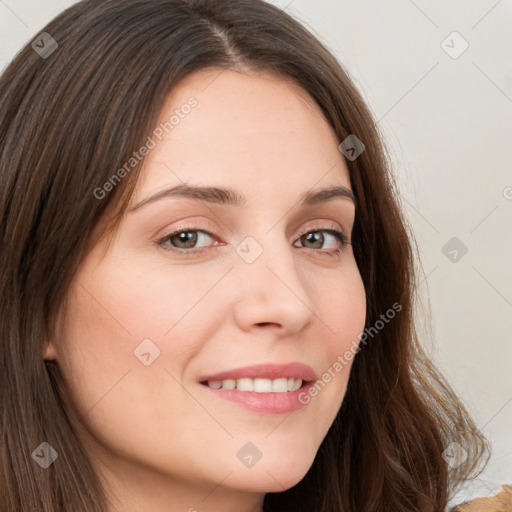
448 124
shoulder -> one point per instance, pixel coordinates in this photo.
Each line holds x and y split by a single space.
502 502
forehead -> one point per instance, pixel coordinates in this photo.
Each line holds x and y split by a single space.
254 131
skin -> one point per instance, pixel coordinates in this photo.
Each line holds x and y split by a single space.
160 440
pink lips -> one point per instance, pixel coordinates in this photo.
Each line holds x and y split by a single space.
269 403
266 371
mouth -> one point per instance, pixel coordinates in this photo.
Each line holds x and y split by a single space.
272 389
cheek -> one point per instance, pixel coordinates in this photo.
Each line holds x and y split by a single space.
125 338
118 396
341 305
117 307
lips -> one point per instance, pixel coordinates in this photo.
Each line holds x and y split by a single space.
265 371
249 387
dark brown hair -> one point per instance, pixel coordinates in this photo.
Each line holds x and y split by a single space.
69 121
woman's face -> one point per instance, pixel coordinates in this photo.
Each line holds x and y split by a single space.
146 323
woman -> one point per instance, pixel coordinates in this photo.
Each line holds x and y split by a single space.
170 340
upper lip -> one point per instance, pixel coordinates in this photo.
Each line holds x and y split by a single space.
265 371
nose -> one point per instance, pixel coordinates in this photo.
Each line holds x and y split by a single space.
271 292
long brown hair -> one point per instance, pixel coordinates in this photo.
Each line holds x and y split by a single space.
69 119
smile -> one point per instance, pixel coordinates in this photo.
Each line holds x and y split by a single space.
264 388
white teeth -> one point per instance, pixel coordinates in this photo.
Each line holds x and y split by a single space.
298 384
258 385
245 385
280 385
262 385
229 384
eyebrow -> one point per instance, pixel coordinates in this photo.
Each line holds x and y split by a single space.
227 196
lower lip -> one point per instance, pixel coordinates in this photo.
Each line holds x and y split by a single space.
269 403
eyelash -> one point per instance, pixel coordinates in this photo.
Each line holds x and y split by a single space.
331 229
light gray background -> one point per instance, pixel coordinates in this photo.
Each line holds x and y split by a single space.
448 123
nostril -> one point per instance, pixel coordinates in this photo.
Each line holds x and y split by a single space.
266 324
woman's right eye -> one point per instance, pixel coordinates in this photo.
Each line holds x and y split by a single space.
183 240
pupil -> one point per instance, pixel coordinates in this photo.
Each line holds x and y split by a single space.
316 237
187 234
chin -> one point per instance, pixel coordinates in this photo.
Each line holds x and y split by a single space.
273 476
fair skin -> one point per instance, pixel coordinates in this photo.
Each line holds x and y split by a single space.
162 440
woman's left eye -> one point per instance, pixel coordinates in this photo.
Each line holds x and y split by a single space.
317 236
184 240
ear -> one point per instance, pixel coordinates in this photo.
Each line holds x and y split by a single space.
50 352
50 347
